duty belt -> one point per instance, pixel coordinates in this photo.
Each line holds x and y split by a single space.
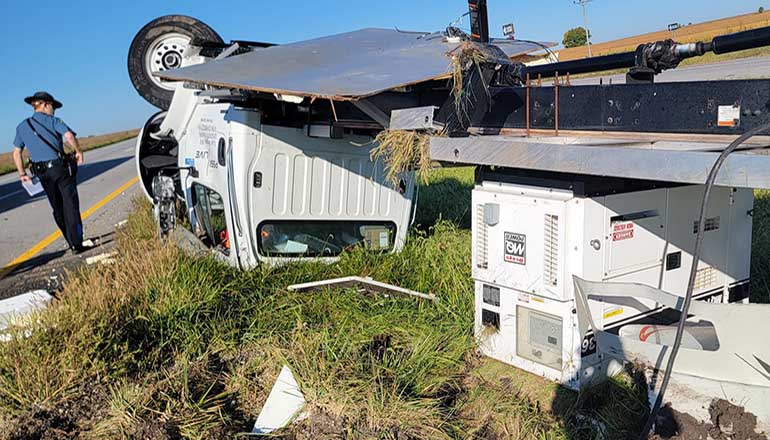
43 166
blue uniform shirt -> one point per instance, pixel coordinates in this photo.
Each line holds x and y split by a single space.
49 127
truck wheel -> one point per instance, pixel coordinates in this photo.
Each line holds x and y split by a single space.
159 46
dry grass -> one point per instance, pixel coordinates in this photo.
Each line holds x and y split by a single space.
697 32
403 151
86 143
465 57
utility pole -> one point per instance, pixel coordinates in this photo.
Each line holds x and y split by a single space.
585 22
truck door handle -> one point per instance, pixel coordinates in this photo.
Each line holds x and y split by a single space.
221 152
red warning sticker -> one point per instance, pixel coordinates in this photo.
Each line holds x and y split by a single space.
623 231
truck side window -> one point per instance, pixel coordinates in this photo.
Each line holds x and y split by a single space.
287 238
210 211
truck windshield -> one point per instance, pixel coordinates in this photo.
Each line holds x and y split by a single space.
210 211
322 238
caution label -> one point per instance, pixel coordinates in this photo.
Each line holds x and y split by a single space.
515 248
729 116
623 231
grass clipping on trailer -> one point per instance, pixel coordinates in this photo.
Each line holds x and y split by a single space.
401 151
404 150
465 57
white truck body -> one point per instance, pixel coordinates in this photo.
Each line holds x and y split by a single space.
261 193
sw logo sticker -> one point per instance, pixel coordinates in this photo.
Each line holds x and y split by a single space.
515 248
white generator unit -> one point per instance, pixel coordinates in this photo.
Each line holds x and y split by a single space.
532 234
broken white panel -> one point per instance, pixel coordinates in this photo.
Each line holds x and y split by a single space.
106 258
366 283
14 310
283 406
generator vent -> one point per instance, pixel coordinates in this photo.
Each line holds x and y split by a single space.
705 278
712 224
551 251
482 239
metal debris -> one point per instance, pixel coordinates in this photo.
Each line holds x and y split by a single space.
351 65
363 284
15 310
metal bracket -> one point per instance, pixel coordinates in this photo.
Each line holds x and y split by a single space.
417 118
373 112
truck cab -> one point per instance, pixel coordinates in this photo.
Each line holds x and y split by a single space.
254 192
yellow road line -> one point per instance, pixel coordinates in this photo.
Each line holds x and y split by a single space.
44 243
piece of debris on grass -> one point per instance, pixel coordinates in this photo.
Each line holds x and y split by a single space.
403 151
105 258
14 311
284 405
364 285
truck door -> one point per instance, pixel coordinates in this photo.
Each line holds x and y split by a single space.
207 149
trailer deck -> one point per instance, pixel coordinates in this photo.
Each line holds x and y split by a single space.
664 159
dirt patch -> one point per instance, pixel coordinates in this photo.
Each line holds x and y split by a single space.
62 421
156 430
728 422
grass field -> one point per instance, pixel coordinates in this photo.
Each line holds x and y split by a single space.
163 345
687 34
86 143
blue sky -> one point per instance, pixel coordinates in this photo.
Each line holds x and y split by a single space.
77 49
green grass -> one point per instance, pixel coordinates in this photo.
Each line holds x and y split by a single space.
164 345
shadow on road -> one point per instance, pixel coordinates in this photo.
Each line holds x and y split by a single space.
85 173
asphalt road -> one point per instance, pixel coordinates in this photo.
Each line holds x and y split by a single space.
746 68
26 221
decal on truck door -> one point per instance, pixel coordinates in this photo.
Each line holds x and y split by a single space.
516 248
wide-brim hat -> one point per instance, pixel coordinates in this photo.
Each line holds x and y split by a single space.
43 96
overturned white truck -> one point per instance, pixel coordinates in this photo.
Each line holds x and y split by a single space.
599 213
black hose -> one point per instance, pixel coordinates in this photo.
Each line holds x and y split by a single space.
693 269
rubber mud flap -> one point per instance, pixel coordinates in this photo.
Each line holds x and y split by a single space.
141 61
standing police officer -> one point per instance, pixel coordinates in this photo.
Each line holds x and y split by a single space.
41 134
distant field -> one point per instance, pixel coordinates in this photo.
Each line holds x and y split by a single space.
86 143
696 32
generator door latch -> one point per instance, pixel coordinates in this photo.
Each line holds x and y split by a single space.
491 214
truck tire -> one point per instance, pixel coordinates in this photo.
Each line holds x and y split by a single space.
159 46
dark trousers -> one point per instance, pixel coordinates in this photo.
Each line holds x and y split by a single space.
60 185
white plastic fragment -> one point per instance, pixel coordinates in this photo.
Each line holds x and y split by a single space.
283 406
120 224
14 310
367 284
106 258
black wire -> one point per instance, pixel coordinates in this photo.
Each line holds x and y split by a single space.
695 259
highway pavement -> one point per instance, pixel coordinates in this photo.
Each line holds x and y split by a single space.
745 68
29 244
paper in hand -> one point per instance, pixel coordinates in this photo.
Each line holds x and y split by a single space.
34 187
